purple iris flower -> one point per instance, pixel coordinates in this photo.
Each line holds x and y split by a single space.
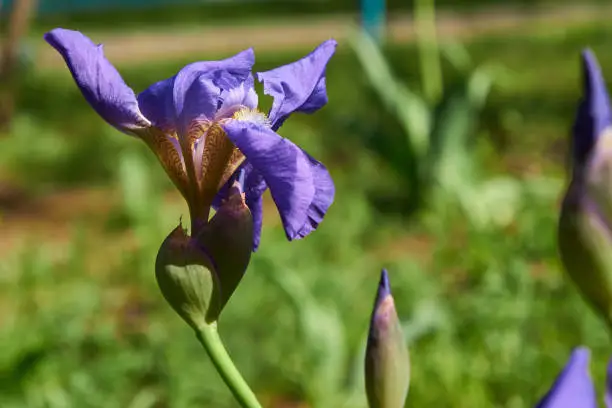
574 388
203 124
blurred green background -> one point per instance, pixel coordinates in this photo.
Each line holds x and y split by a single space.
465 226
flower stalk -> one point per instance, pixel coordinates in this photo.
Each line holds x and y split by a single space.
208 335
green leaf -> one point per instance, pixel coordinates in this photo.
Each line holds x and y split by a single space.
324 343
411 110
450 161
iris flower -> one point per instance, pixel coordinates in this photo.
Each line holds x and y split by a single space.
203 124
574 388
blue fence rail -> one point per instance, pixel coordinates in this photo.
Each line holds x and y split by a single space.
373 17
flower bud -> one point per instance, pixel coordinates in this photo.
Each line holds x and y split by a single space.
585 224
197 275
186 277
387 365
228 240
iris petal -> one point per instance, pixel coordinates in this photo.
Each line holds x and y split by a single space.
284 168
254 188
323 198
98 80
199 101
243 95
608 395
157 105
573 387
299 86
163 100
594 113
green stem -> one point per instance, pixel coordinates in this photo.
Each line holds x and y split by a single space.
208 335
427 42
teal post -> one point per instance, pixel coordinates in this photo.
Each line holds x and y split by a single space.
373 18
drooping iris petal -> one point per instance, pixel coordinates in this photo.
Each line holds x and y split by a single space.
255 186
98 80
283 166
573 387
594 113
323 199
163 100
299 86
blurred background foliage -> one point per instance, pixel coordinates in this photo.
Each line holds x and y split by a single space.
456 194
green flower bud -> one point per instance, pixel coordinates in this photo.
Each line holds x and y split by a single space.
228 240
387 364
198 275
186 277
585 223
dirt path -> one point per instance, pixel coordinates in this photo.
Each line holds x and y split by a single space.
291 33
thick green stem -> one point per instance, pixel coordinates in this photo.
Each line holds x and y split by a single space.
429 56
209 337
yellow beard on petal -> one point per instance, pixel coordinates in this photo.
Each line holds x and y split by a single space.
253 116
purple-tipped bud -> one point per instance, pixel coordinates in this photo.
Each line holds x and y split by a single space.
387 364
585 225
593 116
608 394
573 387
198 275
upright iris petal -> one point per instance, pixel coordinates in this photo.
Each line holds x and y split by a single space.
299 86
100 83
198 101
162 100
573 387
